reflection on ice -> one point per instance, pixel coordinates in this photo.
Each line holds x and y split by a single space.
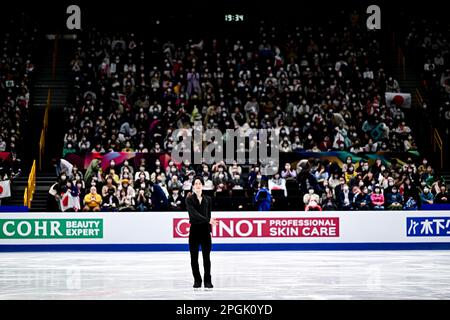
236 275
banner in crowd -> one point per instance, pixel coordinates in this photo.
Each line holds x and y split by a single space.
5 155
169 231
339 157
402 100
67 201
84 160
5 189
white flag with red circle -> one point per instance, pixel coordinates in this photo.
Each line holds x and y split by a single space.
5 189
402 100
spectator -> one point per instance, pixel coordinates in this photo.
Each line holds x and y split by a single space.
394 200
159 198
442 197
362 200
410 204
176 201
310 197
126 202
313 206
426 196
92 200
277 183
288 173
377 199
345 198
110 201
263 198
143 200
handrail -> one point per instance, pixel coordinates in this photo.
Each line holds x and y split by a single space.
401 62
25 197
28 196
419 97
44 128
41 148
55 49
437 141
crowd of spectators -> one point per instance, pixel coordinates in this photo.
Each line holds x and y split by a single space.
427 42
17 41
308 184
320 88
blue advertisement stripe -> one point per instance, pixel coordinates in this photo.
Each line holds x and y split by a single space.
226 247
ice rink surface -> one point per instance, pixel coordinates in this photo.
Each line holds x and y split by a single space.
299 275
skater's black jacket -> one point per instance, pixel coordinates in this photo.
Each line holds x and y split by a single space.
199 213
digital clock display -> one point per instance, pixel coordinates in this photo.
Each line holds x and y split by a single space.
234 17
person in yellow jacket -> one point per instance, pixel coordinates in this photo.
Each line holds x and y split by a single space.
92 200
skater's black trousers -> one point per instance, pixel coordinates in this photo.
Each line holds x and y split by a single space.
200 235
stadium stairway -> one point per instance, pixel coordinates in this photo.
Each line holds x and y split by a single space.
17 191
446 177
59 81
43 183
419 119
54 74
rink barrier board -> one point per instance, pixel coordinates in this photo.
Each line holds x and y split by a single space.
237 231
224 247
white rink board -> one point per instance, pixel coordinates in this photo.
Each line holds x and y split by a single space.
235 228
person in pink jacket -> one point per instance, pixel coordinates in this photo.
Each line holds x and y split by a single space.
377 199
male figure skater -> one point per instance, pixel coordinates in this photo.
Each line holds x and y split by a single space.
199 209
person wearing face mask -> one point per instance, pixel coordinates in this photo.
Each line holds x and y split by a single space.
159 197
110 184
388 184
288 173
350 174
68 149
394 200
176 201
311 199
377 199
207 182
126 165
171 171
69 198
426 196
143 200
236 183
142 170
423 167
362 200
76 173
110 201
174 183
442 196
345 198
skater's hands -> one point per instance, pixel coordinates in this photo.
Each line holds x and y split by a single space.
214 221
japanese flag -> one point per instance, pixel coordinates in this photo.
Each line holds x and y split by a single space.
5 189
68 201
402 100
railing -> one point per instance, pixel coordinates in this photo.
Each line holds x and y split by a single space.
437 143
419 98
401 62
25 197
44 128
29 190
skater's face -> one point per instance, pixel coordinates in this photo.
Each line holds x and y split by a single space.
197 186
